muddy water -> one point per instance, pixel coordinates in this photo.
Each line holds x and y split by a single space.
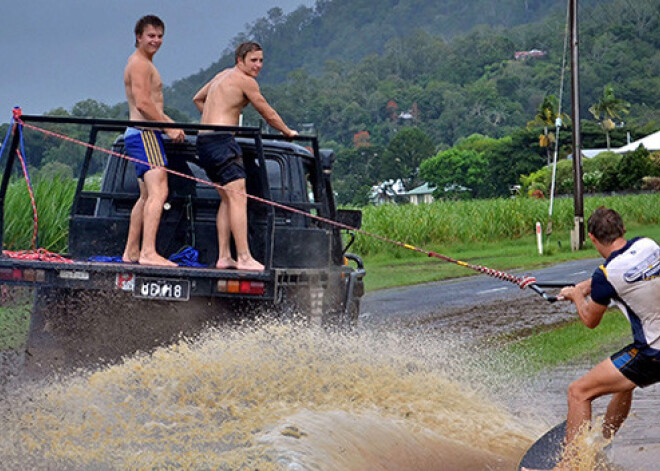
270 396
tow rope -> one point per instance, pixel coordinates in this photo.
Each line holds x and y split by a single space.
16 125
521 282
42 255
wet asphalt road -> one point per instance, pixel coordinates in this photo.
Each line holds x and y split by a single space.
481 306
447 296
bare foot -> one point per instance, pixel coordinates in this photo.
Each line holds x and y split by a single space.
227 263
249 264
130 256
156 260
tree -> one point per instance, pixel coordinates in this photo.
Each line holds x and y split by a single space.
355 170
606 108
632 167
404 154
462 167
512 156
91 109
546 116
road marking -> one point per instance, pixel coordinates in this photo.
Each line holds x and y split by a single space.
492 290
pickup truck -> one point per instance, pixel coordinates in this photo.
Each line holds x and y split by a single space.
86 310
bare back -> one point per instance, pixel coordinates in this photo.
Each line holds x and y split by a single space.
226 98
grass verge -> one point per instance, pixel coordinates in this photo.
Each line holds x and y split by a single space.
569 343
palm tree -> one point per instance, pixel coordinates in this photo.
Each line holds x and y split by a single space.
606 108
546 116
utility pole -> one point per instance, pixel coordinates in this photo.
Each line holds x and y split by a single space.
577 239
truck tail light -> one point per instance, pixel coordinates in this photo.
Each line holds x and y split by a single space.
253 287
28 274
241 287
11 274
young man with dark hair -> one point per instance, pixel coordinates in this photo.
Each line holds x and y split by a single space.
630 277
145 21
221 102
144 94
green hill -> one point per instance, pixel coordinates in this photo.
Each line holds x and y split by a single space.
354 66
389 83
349 30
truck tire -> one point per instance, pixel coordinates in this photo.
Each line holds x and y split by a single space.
72 329
302 304
323 304
335 313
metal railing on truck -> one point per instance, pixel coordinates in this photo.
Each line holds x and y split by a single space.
115 125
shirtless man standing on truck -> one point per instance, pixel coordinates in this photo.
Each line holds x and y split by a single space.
144 93
221 102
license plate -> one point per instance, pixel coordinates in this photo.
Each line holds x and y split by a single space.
167 290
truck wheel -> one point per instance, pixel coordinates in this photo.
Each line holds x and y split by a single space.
335 314
302 303
76 329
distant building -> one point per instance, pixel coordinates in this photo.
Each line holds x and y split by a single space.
456 188
423 194
650 143
386 192
523 55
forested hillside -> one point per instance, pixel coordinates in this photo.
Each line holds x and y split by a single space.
409 57
390 83
349 30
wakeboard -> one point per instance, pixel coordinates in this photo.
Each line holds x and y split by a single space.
546 452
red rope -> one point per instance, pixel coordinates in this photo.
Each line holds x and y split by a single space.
38 254
522 282
35 216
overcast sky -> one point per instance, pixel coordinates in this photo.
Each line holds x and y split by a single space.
57 52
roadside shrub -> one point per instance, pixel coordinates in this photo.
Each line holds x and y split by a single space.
608 171
651 183
654 157
608 163
541 179
633 167
592 181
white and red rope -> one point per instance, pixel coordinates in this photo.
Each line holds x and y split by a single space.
522 282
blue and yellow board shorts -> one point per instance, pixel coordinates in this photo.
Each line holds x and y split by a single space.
640 365
145 145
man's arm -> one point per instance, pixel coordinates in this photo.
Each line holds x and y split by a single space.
141 79
260 104
590 312
200 97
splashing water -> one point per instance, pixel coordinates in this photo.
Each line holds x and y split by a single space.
269 396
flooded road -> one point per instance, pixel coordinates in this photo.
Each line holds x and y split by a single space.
403 392
270 397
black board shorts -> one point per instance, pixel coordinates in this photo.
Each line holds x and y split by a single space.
639 365
220 156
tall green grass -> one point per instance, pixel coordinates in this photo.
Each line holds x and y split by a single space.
438 224
53 200
445 223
